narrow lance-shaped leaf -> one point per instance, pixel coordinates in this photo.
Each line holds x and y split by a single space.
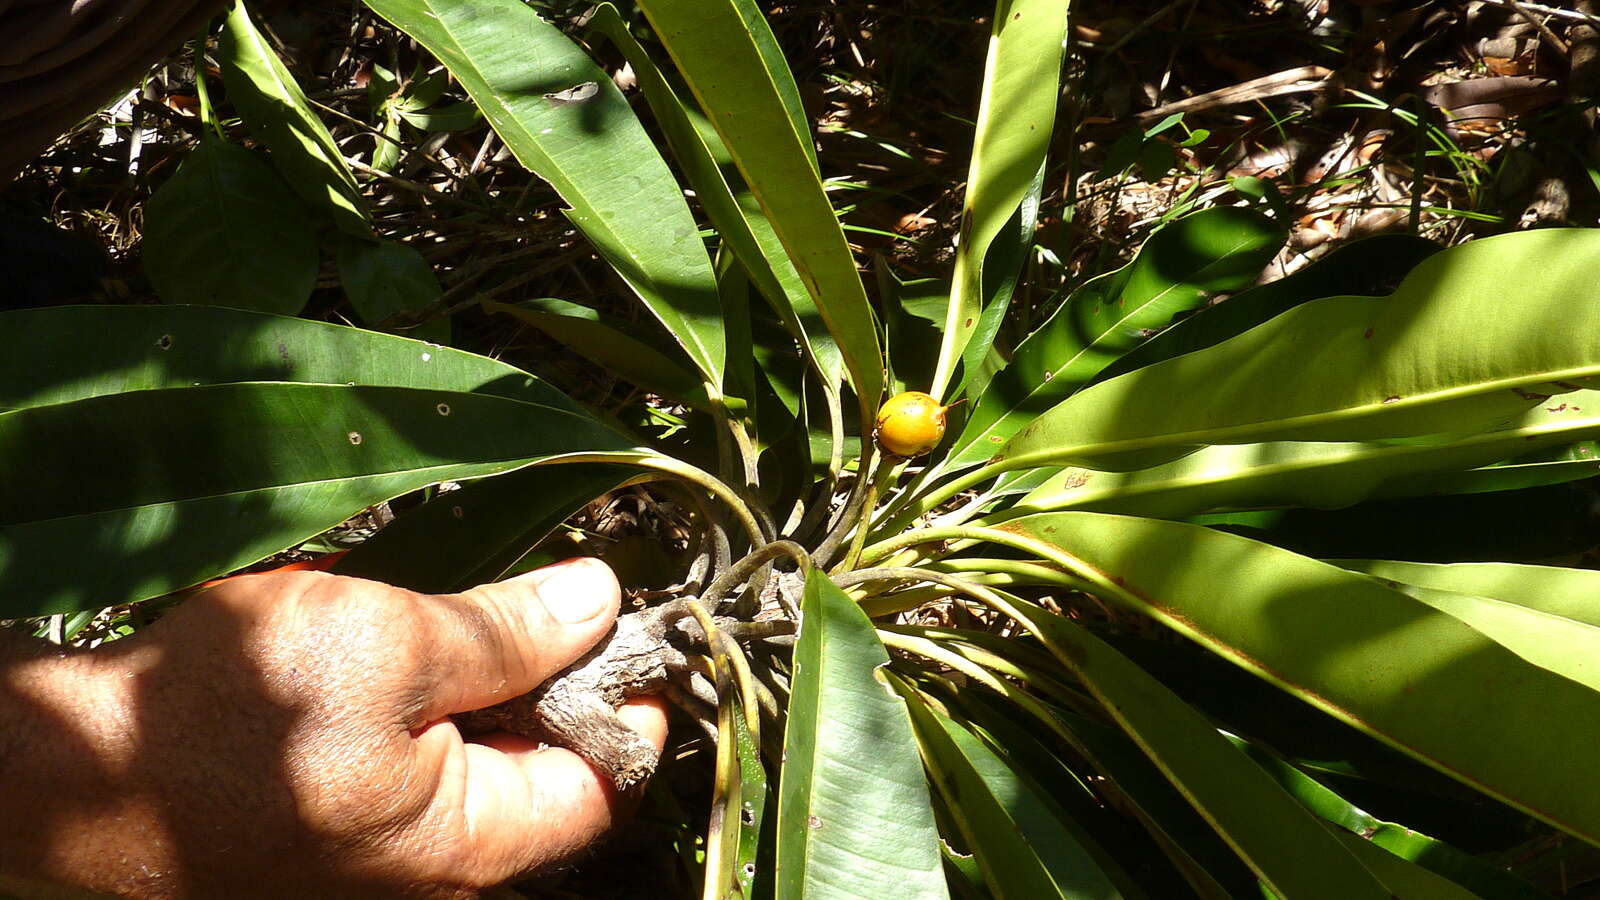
1404 843
164 488
581 329
475 534
1176 270
562 117
278 112
1023 849
1474 335
1416 678
733 210
726 52
1561 591
1307 473
1016 116
854 816
1002 269
1280 841
1371 267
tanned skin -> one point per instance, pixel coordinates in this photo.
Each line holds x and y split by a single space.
287 735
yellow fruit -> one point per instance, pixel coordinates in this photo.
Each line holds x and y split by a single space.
909 424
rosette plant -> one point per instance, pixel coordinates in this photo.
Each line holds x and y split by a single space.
1076 650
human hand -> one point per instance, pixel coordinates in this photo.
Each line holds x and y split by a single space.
286 734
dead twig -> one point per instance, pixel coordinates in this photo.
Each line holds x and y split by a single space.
1299 80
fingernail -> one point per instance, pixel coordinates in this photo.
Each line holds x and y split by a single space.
577 590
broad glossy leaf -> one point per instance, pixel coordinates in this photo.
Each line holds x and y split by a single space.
1370 267
1037 756
71 352
854 818
1443 860
1473 336
1416 678
1176 270
581 329
562 117
1022 847
738 218
727 54
227 231
1016 117
474 535
278 113
385 278
164 488
1305 473
1280 841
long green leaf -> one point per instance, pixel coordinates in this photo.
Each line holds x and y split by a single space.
227 231
278 113
1280 841
1022 847
729 204
72 352
1405 843
473 535
1176 270
854 818
581 329
726 53
1002 269
1305 473
1474 335
1210 866
1406 879
1416 678
1571 593
562 117
163 488
1016 117
1371 267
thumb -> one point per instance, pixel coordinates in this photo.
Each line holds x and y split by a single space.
501 640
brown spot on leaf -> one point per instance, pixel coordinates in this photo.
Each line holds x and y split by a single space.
1368 333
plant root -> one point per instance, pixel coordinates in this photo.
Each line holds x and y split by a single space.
645 653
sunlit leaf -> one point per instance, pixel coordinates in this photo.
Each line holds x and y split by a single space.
853 811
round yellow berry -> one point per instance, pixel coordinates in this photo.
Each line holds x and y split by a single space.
909 424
